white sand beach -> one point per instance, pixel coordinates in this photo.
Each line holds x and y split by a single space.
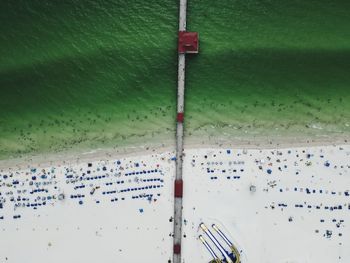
283 203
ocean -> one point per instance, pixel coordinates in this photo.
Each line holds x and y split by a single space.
89 74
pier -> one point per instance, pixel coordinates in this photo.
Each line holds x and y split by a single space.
179 141
187 43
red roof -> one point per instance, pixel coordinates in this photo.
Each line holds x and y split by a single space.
188 42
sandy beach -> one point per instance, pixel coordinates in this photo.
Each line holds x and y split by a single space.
92 196
166 145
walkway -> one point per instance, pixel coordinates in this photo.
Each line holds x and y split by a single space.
179 142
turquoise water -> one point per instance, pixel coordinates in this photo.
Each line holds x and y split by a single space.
87 74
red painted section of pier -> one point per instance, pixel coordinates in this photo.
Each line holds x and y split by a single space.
178 188
188 42
177 249
180 117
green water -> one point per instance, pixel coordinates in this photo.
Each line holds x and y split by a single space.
271 67
87 74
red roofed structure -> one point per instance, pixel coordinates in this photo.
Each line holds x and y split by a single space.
188 42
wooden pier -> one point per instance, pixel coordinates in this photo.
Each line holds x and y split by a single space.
179 142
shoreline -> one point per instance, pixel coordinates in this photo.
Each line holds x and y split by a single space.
79 156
